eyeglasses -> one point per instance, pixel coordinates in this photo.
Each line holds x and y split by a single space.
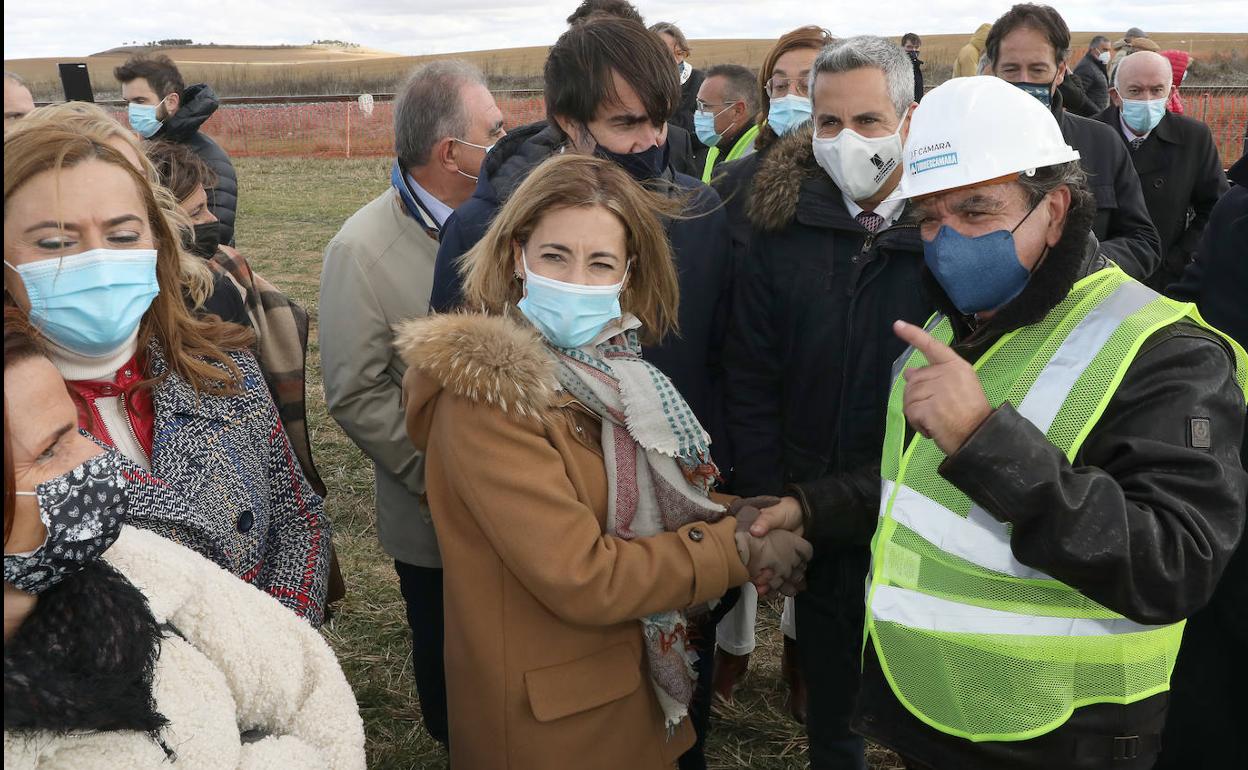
779 87
710 107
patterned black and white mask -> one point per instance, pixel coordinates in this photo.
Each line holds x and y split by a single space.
83 511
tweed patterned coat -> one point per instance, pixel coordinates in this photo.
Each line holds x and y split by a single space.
225 483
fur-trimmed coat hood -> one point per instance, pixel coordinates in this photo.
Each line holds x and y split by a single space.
492 360
788 168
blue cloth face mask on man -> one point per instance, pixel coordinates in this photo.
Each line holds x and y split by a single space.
1143 115
1042 91
90 303
978 273
569 315
787 113
143 120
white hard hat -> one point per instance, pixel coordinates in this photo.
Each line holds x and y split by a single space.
974 129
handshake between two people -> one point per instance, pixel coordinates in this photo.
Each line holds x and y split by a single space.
769 540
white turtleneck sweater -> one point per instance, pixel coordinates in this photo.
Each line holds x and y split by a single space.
74 366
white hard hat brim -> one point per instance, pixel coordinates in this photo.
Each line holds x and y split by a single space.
917 189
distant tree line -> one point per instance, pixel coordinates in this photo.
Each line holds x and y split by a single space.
339 43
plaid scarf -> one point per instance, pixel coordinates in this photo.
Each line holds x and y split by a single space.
659 474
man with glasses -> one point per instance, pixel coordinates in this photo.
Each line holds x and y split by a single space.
378 271
724 120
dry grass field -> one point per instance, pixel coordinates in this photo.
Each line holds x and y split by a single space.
261 70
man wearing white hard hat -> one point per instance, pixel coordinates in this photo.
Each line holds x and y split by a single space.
1028 46
831 265
1060 480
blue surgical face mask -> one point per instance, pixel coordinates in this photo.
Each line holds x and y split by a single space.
143 120
569 315
980 273
787 113
1042 91
90 303
704 125
1143 115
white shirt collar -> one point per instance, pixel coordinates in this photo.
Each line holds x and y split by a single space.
437 208
889 210
1126 130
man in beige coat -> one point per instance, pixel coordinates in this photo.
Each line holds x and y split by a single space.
378 271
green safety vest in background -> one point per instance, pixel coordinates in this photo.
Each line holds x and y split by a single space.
738 149
971 641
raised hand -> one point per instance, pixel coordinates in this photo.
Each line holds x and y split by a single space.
944 400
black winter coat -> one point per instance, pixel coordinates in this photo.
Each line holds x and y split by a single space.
811 343
1181 176
1122 224
917 63
1142 521
693 360
683 116
681 156
198 104
1074 99
1091 74
1207 709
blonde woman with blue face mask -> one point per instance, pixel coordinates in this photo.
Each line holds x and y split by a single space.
95 262
570 484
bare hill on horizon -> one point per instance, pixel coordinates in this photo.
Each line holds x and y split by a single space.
1221 58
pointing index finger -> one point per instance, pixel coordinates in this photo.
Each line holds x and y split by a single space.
936 351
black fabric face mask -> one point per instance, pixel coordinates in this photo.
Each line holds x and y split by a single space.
642 166
207 239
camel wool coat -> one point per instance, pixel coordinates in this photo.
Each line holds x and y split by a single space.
544 651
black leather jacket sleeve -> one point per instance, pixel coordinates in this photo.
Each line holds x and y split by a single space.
841 509
1142 522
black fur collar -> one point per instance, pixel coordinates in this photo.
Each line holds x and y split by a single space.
84 659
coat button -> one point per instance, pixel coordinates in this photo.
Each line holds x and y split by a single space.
1157 183
245 522
696 534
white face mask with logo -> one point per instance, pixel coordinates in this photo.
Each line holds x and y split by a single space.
858 164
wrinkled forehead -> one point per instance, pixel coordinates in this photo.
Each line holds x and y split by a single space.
989 196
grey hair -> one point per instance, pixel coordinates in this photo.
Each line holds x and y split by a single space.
740 85
1047 179
430 107
16 78
854 53
1096 41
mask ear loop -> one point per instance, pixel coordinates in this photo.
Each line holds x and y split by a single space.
1034 206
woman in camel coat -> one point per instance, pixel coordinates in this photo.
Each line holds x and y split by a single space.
573 534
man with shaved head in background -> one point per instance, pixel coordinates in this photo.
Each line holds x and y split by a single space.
1180 172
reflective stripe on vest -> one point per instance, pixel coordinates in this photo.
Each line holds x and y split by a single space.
971 641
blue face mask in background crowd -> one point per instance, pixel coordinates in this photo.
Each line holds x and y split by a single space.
569 315
1143 115
90 303
978 273
704 126
143 120
1042 91
787 113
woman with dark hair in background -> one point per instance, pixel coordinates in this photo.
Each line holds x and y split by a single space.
123 649
94 260
280 325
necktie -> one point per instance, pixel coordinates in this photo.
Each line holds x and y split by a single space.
1136 142
870 220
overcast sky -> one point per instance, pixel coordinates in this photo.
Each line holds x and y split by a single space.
413 27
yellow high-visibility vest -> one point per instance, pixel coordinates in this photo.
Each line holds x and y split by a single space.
971 641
